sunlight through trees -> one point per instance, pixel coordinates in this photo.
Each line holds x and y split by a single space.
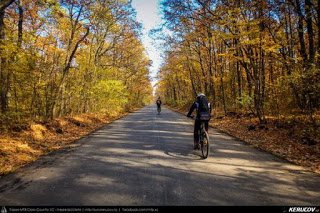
259 57
70 57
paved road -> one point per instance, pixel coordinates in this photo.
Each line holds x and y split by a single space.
147 159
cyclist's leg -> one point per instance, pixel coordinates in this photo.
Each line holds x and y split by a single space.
196 133
206 125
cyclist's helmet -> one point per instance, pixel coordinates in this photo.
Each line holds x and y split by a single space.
200 94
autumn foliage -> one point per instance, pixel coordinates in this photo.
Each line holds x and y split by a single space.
70 57
258 58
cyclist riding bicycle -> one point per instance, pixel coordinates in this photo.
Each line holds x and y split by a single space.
203 109
158 102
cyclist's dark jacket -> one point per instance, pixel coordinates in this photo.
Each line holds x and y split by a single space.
197 121
158 103
194 106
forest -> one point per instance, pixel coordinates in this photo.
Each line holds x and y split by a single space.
70 57
251 58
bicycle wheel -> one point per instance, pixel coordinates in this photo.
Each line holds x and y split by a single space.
205 144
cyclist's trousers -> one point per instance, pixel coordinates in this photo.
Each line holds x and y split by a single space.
197 128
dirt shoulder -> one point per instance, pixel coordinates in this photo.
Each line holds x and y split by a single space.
22 145
283 140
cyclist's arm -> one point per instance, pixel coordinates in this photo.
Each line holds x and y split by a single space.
191 109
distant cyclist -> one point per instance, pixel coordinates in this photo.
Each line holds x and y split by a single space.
203 109
158 102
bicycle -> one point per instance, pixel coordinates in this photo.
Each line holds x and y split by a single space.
204 140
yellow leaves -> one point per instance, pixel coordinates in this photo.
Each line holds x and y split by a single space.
15 152
271 48
24 148
38 131
110 94
222 54
253 41
111 63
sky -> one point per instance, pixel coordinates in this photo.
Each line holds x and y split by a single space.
148 13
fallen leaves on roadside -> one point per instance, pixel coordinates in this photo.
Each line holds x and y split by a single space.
20 148
272 139
284 142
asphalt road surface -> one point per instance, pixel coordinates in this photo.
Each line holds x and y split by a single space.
147 159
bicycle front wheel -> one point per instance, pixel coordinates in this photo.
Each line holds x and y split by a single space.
205 145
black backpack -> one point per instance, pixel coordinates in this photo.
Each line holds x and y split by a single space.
203 109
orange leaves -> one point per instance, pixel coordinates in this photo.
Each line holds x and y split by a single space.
272 139
39 139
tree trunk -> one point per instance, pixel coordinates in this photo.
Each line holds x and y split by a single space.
318 24
308 8
3 72
303 51
20 23
222 91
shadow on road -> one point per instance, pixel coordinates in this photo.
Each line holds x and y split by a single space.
147 159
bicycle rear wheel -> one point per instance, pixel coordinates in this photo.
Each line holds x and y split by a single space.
205 145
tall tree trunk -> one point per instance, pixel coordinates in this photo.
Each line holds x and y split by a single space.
3 72
65 72
222 90
308 8
318 25
20 23
210 48
191 77
303 51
